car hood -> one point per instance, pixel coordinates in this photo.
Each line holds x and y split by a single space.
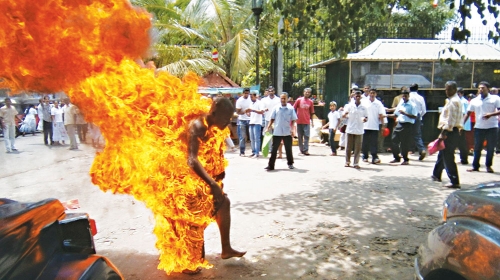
482 203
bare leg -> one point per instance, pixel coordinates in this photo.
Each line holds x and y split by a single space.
280 152
223 218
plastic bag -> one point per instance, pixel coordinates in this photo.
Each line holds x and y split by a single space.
266 143
435 146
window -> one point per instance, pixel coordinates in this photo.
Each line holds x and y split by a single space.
460 72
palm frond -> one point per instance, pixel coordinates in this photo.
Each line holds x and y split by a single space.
200 66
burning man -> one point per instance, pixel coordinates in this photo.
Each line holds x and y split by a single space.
200 131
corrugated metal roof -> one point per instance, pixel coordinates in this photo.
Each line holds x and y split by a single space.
410 49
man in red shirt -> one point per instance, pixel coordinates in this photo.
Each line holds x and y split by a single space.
305 110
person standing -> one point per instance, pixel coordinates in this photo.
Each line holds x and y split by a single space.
270 102
485 106
47 121
419 102
406 113
58 131
333 123
70 112
376 113
256 111
283 117
304 108
356 114
450 124
242 104
463 147
82 126
8 114
29 123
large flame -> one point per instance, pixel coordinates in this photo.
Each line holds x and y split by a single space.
87 48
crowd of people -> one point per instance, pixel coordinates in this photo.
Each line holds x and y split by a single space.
466 123
60 122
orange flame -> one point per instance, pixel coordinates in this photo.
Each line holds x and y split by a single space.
87 48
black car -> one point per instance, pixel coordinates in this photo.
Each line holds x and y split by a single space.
41 241
467 245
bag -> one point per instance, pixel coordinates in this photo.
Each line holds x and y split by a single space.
265 143
435 146
342 129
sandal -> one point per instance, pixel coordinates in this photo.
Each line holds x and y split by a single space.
347 165
356 166
473 170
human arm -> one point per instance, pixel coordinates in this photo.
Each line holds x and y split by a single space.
489 115
268 128
326 125
196 131
292 125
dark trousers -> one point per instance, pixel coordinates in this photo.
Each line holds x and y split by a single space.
331 140
446 158
47 132
463 148
490 135
287 142
370 143
82 132
417 136
401 137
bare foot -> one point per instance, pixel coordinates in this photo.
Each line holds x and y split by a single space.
191 272
231 254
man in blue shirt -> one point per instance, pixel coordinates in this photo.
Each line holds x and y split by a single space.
406 113
283 117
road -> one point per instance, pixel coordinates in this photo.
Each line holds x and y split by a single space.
318 221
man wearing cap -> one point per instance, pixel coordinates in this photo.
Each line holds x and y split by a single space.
242 105
305 111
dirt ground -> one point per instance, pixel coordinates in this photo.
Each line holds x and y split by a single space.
319 221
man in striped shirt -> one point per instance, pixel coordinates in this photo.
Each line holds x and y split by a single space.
450 123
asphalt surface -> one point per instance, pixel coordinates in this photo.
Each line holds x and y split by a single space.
318 221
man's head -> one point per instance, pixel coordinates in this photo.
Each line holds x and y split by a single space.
357 96
253 97
66 101
333 105
246 92
221 112
271 91
56 104
373 94
414 87
366 89
484 88
307 92
450 88
494 91
266 92
405 95
283 98
8 102
460 91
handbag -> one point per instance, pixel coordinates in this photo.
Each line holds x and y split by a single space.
435 146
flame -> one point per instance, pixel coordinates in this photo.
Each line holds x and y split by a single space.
87 48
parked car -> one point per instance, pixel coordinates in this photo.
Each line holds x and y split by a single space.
467 244
41 241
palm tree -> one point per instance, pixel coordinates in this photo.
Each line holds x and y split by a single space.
188 31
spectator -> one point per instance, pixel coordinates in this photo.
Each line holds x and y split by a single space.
332 124
242 104
47 121
8 115
256 111
485 107
70 112
356 114
58 131
305 111
29 123
463 147
406 113
376 113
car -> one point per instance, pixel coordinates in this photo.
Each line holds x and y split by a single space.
467 244
41 241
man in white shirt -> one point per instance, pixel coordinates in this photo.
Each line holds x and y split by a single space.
485 106
419 102
356 114
242 104
256 111
8 115
376 113
70 112
269 103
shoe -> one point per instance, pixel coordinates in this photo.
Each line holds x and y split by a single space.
395 161
405 162
365 160
8 151
252 155
357 167
347 164
291 167
73 149
306 153
488 169
422 155
435 179
242 155
15 150
376 161
269 168
464 162
453 186
333 154
473 170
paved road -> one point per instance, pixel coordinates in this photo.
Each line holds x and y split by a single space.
319 221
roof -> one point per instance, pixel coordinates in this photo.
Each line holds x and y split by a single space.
411 49
218 80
